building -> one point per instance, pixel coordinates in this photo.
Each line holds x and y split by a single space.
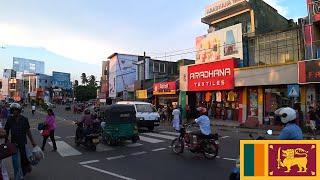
104 82
245 65
61 80
309 69
157 80
122 75
37 86
27 66
10 85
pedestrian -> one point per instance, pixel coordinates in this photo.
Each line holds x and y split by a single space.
312 120
4 114
18 127
169 112
50 124
3 171
33 109
176 118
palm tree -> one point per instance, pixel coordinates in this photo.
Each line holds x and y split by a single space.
84 79
92 81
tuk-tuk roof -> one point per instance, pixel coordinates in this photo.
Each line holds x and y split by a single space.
120 113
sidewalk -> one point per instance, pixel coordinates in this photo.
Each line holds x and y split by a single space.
227 125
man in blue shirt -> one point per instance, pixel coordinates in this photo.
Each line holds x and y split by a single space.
204 123
291 131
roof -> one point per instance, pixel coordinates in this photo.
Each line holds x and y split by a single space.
132 102
116 54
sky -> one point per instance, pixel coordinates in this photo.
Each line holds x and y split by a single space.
90 31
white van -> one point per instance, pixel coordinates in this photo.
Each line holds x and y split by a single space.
147 115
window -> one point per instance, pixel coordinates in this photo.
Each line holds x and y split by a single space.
145 108
162 67
156 67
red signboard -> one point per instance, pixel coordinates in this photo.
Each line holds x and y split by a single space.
314 9
217 75
164 88
309 71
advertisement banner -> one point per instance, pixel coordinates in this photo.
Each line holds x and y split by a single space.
183 78
279 159
164 88
220 6
314 10
222 44
211 76
142 94
309 71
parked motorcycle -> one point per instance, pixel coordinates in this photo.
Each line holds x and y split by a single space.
235 173
209 147
90 140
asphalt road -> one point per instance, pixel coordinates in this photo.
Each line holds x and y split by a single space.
150 158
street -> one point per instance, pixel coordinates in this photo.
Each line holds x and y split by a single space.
149 158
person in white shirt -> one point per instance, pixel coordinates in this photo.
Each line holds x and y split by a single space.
176 118
33 108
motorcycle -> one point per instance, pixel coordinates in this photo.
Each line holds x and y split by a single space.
235 173
90 140
209 147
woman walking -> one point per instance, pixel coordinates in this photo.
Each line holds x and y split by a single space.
50 126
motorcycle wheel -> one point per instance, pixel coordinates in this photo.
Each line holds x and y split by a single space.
177 146
93 147
210 151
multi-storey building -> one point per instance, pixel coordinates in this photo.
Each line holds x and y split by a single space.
246 66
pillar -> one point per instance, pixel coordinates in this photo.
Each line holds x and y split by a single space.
244 105
303 98
182 103
260 104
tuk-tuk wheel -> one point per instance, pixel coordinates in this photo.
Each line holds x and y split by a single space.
150 128
134 139
110 141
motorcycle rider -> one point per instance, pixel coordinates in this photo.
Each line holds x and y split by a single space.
87 122
291 131
204 123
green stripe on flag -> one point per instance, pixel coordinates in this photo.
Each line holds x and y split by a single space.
249 160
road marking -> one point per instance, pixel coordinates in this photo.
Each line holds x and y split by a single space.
88 162
223 137
133 145
138 153
170 133
69 137
103 148
108 172
65 149
116 157
159 149
160 136
57 137
229 159
150 140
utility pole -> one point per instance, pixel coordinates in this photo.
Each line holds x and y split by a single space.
144 65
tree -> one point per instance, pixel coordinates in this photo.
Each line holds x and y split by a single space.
76 83
92 81
84 79
85 93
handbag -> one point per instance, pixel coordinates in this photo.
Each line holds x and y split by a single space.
7 150
45 132
41 126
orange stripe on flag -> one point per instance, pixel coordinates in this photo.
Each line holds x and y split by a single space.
259 159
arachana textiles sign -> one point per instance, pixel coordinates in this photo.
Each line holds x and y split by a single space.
217 75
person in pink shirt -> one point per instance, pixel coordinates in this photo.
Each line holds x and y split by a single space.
51 126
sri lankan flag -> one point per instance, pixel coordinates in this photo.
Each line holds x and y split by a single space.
279 160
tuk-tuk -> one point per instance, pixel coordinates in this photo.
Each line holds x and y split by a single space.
119 123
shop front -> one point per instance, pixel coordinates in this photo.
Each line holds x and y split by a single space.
212 85
165 93
266 89
309 80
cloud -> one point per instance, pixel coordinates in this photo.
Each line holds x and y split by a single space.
278 6
66 43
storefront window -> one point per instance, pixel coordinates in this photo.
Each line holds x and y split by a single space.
253 102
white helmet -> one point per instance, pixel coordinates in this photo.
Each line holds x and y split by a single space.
15 106
287 114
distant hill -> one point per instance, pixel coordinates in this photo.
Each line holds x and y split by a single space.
53 62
